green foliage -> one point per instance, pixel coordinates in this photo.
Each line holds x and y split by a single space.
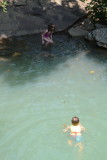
97 10
4 5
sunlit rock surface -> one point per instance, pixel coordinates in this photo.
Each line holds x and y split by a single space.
28 16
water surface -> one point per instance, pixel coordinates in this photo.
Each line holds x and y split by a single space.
40 94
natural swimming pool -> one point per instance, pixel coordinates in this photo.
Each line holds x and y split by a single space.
40 94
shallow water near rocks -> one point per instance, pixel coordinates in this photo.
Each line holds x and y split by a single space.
40 95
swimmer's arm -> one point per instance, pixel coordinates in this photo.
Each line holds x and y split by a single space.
82 127
42 37
51 38
66 129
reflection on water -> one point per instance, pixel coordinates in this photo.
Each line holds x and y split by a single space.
40 94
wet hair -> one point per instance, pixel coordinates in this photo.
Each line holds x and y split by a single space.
75 121
51 27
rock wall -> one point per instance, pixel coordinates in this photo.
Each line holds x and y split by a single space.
33 16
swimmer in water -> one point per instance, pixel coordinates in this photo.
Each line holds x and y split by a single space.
75 132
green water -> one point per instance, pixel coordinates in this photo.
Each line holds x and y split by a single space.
39 95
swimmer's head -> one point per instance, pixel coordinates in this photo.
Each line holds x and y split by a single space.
51 28
75 121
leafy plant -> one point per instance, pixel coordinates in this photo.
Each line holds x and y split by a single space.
4 5
97 10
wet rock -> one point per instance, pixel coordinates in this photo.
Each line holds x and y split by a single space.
2 59
47 55
102 44
16 54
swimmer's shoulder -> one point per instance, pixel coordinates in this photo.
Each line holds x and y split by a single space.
45 31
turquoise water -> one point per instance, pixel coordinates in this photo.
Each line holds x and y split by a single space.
40 94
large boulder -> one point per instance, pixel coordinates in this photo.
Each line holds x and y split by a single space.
99 36
77 32
33 16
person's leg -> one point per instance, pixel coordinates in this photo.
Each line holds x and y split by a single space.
50 41
70 142
46 41
78 139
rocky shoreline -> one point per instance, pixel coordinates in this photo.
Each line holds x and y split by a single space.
96 33
32 17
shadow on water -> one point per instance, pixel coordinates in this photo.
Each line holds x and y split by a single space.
35 62
98 54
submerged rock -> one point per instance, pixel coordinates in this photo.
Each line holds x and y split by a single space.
47 55
102 45
2 59
16 54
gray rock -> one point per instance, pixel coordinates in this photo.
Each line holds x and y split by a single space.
89 36
61 17
75 32
99 36
87 25
34 17
97 25
102 45
3 36
20 3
